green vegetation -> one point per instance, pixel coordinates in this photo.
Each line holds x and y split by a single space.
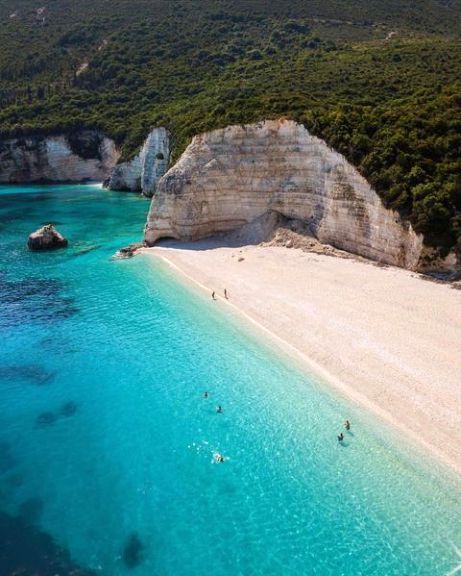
379 81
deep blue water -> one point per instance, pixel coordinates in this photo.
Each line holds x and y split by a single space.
104 432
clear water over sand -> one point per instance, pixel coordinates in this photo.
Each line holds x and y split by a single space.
104 431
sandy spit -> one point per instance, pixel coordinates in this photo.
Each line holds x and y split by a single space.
386 338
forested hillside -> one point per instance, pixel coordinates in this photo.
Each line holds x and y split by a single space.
380 81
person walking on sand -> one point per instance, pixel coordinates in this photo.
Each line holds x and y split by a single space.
226 296
213 295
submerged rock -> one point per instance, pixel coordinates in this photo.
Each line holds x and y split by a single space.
31 373
46 419
31 510
26 550
132 552
46 238
68 409
7 460
34 300
84 251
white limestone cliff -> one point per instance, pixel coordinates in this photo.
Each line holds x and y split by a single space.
230 177
85 156
142 173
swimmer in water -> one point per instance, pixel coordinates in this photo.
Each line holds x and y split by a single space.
205 394
347 425
341 437
218 457
219 409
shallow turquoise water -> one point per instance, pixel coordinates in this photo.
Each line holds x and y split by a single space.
133 350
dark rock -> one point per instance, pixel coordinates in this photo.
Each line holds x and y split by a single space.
68 409
33 300
31 510
46 419
86 250
129 251
7 460
132 552
14 480
27 551
31 373
46 238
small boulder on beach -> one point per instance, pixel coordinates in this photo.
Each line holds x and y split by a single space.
46 238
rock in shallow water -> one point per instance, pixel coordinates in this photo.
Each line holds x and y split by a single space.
46 238
25 550
31 510
31 373
68 409
129 251
45 419
132 552
7 460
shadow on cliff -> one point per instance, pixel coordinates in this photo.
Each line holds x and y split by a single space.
262 229
197 245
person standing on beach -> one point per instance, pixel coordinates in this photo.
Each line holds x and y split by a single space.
213 295
225 294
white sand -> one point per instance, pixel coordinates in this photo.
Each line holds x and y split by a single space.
388 339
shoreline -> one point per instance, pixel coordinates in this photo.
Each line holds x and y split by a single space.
202 264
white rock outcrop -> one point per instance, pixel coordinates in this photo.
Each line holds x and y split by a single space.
86 156
230 177
142 173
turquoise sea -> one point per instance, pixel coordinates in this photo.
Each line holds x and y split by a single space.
107 443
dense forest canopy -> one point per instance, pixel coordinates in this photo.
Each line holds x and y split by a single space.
379 80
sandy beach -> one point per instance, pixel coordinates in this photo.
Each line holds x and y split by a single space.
385 337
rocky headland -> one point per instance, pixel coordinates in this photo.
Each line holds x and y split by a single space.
142 173
84 156
230 178
79 157
240 179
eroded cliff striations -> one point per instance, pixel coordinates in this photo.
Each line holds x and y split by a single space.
78 157
230 177
142 173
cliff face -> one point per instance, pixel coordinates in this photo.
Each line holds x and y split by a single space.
142 173
230 177
87 155
84 156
